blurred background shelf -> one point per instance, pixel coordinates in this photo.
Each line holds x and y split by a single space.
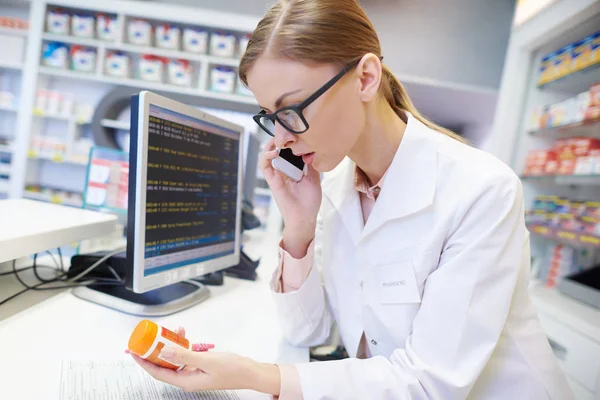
115 124
586 180
51 199
59 159
66 118
13 32
589 128
147 85
574 239
8 108
8 65
263 191
90 42
576 82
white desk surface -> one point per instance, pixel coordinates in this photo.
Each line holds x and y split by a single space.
28 226
239 317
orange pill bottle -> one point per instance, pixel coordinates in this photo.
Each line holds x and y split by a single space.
148 339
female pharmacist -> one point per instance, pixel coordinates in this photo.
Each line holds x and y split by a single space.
419 238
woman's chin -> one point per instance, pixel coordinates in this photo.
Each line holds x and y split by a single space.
323 167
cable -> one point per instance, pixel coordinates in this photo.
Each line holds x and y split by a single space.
96 264
57 280
111 269
37 275
14 295
60 257
25 269
53 259
96 282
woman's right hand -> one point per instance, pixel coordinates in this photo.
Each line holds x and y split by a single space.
299 202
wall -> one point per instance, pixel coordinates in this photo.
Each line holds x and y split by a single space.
460 41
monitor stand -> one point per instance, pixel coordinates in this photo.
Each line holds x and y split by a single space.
156 303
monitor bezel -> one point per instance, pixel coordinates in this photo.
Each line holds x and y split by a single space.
137 205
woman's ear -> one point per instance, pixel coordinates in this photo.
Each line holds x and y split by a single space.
369 72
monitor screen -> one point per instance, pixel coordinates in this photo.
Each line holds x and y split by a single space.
189 211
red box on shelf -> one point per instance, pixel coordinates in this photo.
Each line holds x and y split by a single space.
581 146
595 94
592 113
537 161
566 166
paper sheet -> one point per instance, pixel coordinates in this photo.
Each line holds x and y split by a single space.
122 380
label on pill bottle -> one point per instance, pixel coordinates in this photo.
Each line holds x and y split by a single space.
166 338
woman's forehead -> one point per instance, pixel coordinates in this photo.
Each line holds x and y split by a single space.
269 78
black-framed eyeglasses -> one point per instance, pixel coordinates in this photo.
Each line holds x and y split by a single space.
291 117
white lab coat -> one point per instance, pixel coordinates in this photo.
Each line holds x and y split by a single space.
436 279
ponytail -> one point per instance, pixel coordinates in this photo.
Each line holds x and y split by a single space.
396 96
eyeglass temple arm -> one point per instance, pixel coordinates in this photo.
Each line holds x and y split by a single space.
328 85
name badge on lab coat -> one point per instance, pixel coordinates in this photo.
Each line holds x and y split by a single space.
397 284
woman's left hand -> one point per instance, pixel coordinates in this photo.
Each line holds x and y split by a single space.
214 371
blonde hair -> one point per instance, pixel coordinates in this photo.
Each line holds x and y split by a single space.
326 31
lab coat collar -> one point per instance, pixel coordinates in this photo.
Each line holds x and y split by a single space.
409 185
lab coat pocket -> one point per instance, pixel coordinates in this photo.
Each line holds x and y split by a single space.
396 283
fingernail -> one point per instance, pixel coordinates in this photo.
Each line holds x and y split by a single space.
167 352
127 351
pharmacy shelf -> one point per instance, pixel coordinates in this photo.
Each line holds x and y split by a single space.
8 108
4 185
576 180
132 48
5 149
89 42
112 123
7 65
576 82
589 128
13 32
263 191
573 239
51 199
58 117
147 85
58 159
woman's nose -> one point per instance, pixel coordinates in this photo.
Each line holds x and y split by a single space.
283 137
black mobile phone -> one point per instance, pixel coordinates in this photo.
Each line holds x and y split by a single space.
288 156
289 164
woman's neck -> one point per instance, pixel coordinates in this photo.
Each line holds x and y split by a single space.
376 147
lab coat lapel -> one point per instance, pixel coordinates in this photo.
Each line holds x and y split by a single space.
410 182
344 198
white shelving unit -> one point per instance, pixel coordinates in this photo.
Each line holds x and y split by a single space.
571 326
66 172
13 32
8 108
11 74
111 123
164 87
92 87
7 65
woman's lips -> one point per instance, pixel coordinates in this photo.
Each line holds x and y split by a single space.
308 158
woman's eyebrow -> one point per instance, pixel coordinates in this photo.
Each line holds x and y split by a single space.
281 98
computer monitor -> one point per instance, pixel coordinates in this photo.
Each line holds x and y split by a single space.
184 193
184 207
